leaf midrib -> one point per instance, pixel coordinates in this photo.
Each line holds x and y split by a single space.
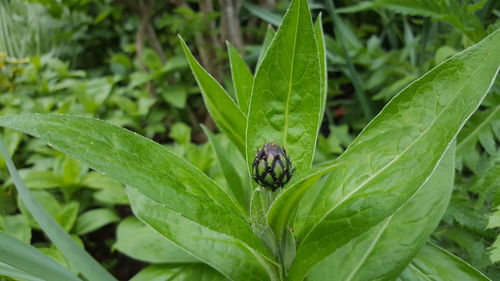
348 196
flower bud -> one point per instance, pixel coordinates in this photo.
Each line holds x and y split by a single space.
271 167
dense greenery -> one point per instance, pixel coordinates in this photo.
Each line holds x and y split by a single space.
419 185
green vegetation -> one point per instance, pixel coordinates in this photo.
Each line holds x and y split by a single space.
130 129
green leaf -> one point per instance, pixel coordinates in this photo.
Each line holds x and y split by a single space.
286 95
17 226
320 43
178 272
241 192
16 274
77 256
93 220
226 114
395 154
265 45
436 264
263 14
30 260
141 242
383 252
242 78
283 209
143 164
230 256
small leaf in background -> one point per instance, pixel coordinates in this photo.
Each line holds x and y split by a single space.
93 220
286 96
141 242
17 226
175 95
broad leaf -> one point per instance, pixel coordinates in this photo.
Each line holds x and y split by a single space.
226 114
143 164
228 255
395 154
437 264
383 252
16 274
28 259
242 78
286 95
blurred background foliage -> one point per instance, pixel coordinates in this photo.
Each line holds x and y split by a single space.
121 61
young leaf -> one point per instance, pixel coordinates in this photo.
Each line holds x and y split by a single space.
395 154
435 263
93 220
30 260
237 188
226 114
320 43
143 164
242 78
230 256
76 256
265 45
286 95
384 251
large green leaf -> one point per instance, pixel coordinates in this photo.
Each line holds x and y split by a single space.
143 164
226 114
230 256
242 78
395 154
383 252
433 263
75 255
16 274
286 95
26 258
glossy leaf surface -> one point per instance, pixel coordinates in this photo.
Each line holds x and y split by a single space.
228 255
143 164
383 252
285 104
395 154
